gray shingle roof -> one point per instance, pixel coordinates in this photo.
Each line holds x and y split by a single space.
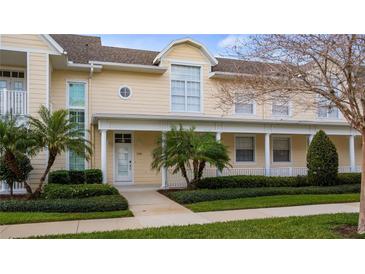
82 49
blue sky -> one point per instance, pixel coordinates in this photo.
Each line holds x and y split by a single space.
216 43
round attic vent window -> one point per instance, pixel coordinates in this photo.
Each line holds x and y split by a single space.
125 92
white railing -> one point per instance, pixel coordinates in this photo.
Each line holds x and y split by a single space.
18 188
14 101
177 181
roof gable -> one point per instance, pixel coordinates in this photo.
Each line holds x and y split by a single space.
190 42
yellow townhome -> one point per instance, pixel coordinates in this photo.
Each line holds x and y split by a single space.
126 98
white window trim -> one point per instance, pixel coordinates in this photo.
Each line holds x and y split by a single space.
130 95
290 147
201 88
282 115
254 147
246 114
132 156
85 108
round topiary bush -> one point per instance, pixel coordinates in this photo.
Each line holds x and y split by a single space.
322 160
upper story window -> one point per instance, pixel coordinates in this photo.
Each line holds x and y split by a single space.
244 107
185 88
280 109
125 92
76 95
326 110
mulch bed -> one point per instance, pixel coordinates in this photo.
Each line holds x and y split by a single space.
15 197
347 231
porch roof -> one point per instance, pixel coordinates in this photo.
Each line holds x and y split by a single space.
118 121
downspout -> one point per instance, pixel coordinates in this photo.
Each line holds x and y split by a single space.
91 132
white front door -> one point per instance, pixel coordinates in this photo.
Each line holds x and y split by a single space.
123 158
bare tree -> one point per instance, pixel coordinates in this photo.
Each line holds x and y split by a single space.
322 72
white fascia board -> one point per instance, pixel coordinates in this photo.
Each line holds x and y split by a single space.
53 43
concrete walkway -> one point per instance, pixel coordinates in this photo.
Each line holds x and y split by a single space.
152 209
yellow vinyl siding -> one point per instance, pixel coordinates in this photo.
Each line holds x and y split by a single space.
37 96
23 41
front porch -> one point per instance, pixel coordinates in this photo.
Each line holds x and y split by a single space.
254 148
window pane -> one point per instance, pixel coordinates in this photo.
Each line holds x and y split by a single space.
123 138
281 110
244 108
178 103
77 95
76 162
78 116
188 73
322 112
178 88
193 89
333 113
193 103
281 149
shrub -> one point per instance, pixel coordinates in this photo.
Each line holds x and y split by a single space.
59 177
93 176
322 160
201 195
77 177
248 181
348 178
91 204
55 191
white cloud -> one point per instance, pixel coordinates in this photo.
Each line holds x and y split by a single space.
229 41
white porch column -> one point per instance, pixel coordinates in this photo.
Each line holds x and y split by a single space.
164 180
310 138
218 138
352 153
103 155
267 154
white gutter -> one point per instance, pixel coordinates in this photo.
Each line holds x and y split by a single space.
130 67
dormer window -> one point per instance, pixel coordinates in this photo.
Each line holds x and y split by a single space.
280 109
185 88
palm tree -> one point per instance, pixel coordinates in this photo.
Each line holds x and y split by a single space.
16 138
55 132
186 150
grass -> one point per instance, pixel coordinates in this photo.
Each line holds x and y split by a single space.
308 227
272 201
7 218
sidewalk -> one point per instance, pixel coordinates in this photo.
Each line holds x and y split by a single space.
151 209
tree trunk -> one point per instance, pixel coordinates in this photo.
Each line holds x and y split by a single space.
361 226
184 174
51 160
11 186
27 187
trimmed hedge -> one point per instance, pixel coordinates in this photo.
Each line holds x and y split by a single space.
201 195
67 177
77 177
59 177
91 204
93 176
248 181
55 191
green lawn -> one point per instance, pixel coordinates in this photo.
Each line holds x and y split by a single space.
273 201
309 227
37 217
